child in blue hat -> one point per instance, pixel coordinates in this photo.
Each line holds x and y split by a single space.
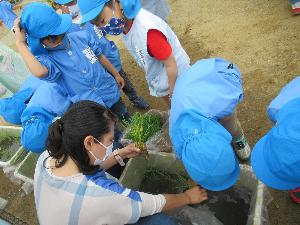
214 88
109 49
34 107
276 156
8 17
203 123
48 102
148 38
203 146
72 59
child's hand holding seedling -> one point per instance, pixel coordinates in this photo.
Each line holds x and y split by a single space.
141 128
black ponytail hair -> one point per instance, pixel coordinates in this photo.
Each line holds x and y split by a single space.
66 135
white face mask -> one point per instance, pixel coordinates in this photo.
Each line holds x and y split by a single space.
107 153
74 10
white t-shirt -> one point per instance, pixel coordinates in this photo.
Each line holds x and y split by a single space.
136 43
85 200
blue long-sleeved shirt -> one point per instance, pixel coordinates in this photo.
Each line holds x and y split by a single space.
78 71
6 14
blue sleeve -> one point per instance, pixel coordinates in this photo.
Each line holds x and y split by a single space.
35 123
6 14
101 180
32 82
53 72
51 98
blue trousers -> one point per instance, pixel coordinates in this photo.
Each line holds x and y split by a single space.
121 111
157 219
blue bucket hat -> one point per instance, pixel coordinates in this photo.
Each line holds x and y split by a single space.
287 93
61 2
90 9
12 108
204 147
275 158
36 122
40 20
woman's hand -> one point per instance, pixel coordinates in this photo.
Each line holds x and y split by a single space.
20 34
196 195
130 151
120 81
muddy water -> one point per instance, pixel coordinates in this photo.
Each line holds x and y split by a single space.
228 207
231 206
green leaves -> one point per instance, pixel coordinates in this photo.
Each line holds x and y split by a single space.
142 127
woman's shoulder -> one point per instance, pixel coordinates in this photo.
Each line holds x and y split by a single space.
106 183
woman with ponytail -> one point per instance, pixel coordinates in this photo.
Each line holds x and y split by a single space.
70 178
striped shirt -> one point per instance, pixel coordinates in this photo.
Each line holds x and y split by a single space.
85 200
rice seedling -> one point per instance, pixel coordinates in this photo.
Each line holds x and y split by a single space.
142 127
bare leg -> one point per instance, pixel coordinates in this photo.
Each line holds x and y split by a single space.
233 125
239 142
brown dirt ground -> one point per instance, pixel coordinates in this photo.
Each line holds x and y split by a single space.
259 35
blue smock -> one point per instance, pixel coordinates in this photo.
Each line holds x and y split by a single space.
51 98
213 87
109 49
6 14
78 71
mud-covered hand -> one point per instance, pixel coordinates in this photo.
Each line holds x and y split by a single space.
196 195
130 151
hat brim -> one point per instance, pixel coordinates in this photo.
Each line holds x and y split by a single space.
92 14
262 171
230 182
62 1
132 10
12 108
64 26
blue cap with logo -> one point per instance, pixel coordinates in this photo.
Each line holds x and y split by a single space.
203 145
275 158
40 20
12 108
36 122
